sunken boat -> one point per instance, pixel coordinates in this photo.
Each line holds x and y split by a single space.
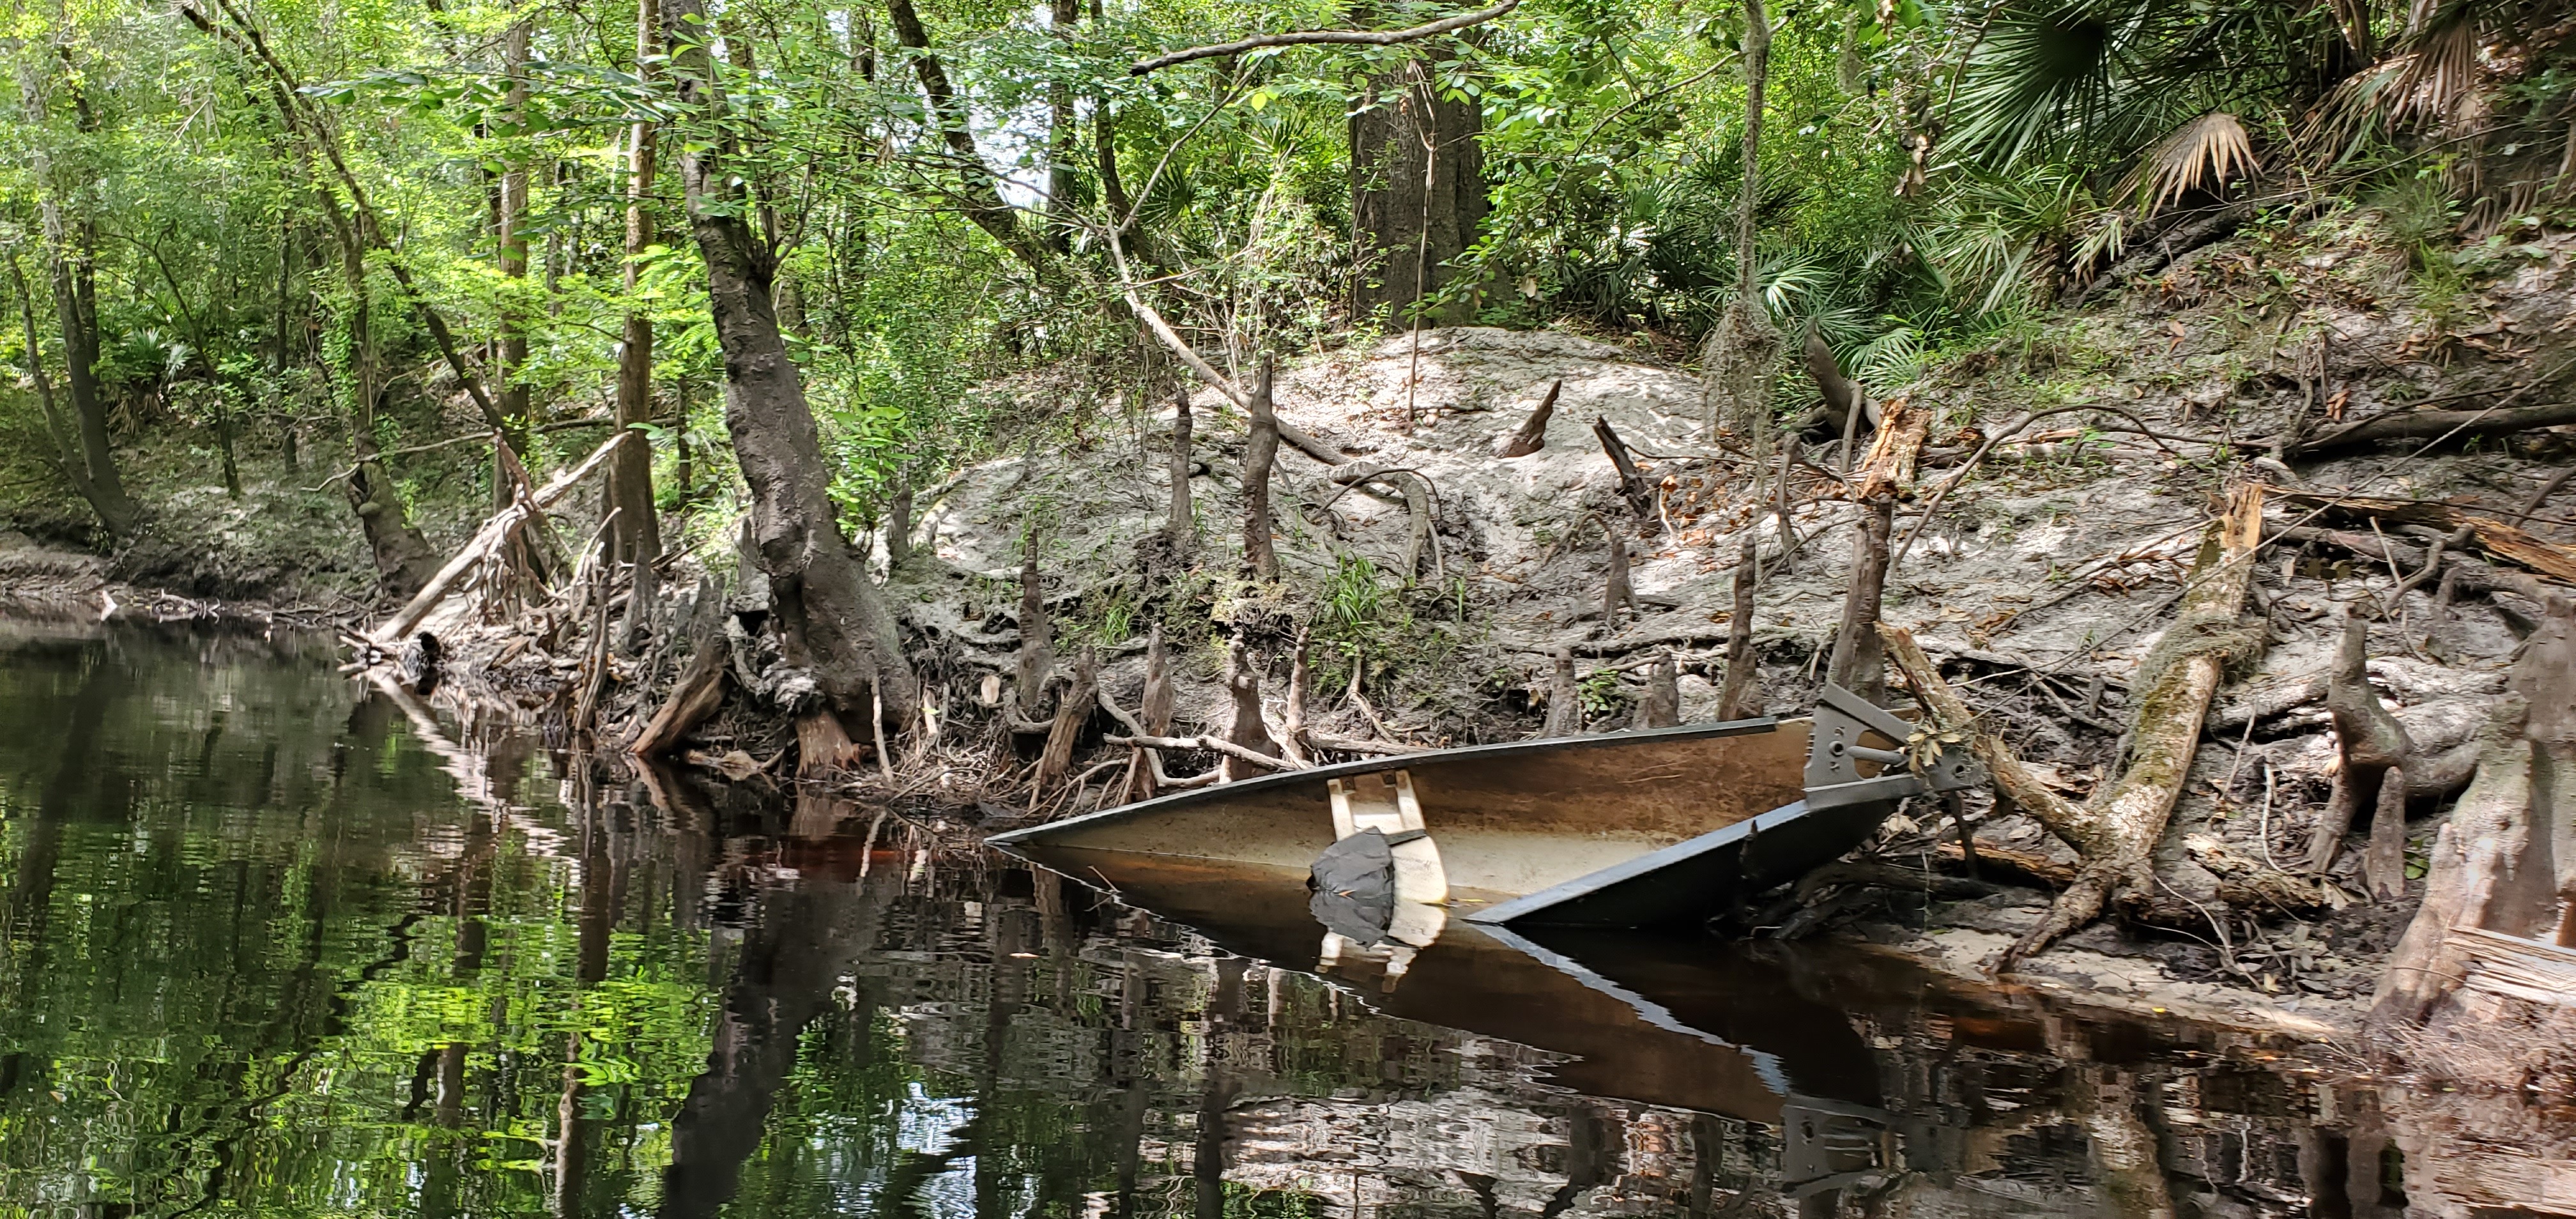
1628 829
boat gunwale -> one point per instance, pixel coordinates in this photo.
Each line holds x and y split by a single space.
1220 792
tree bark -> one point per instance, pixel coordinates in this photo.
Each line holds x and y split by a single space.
1564 699
637 535
1036 661
2473 863
830 618
1250 731
1737 699
1859 659
70 249
511 243
404 562
1532 435
1417 184
1182 528
1662 706
1260 453
2368 743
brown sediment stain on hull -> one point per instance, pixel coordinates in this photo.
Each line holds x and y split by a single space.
1510 820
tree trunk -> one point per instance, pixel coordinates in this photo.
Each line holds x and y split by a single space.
1260 453
404 562
637 535
1417 184
511 241
66 454
1738 699
1736 361
1182 527
1859 660
70 242
830 618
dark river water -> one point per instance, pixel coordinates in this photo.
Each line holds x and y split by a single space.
275 942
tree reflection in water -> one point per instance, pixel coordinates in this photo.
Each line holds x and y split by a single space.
278 944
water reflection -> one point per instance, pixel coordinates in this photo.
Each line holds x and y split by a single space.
279 944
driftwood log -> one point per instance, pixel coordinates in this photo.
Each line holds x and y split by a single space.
2118 829
495 532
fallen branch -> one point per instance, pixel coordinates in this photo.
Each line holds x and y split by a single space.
495 531
2410 425
2507 542
2118 829
1209 743
1303 38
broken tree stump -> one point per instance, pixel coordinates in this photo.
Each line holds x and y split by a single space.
1072 711
1662 705
1632 484
1036 661
1532 435
1616 592
1564 699
1737 699
700 688
1250 732
2368 742
1859 658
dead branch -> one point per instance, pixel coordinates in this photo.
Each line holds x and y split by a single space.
2409 425
1300 38
1632 485
1532 435
498 529
1859 663
2507 542
1232 751
2117 830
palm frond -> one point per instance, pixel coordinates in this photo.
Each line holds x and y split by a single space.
2202 154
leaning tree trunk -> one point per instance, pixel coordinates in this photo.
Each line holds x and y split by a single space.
404 562
830 618
70 241
637 531
1417 183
